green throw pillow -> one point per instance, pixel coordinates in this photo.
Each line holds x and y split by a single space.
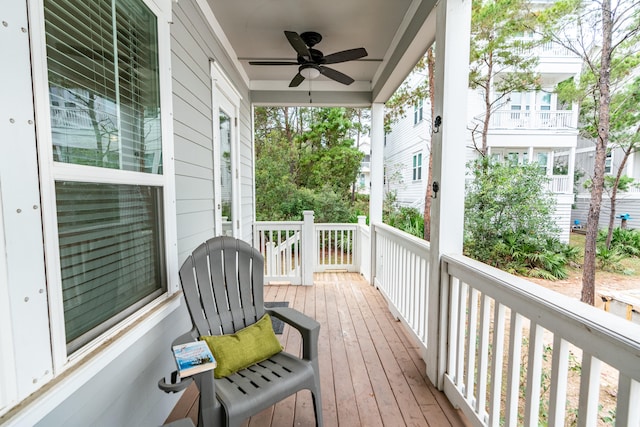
250 345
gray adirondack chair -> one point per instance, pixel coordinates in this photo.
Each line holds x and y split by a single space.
223 281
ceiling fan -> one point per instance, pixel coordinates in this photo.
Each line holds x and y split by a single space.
311 62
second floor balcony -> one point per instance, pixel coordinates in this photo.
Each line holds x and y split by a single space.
532 119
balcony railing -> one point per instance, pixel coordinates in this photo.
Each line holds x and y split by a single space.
548 49
506 351
560 184
538 119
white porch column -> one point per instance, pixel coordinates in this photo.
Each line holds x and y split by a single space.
377 163
376 195
448 144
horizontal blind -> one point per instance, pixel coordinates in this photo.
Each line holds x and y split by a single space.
104 83
110 253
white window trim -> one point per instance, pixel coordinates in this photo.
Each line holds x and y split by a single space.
50 171
414 169
222 86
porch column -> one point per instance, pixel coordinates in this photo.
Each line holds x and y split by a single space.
448 144
376 194
377 163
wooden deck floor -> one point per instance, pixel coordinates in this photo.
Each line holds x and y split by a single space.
372 375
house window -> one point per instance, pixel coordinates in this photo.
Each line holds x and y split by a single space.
107 150
608 162
417 167
417 112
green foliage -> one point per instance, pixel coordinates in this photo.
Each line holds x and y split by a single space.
508 221
499 59
609 259
306 160
624 241
409 220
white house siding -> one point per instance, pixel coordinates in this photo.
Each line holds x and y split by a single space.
405 140
625 203
125 392
193 45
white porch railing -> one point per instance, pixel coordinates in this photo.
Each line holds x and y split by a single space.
401 274
538 119
510 347
513 346
280 244
509 352
560 184
294 250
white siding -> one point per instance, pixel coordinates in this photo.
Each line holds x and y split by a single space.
405 140
193 45
625 203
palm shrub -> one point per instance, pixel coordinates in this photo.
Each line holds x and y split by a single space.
509 223
624 241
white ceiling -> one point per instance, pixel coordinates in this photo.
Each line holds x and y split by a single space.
395 34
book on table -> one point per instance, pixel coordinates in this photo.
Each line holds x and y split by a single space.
193 357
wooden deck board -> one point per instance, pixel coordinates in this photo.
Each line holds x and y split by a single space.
371 371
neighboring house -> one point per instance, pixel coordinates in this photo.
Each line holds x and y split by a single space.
531 127
627 202
406 154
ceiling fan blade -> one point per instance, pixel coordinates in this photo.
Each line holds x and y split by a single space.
297 79
272 63
297 43
336 75
345 55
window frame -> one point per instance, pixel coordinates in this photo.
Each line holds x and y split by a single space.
51 171
418 115
416 166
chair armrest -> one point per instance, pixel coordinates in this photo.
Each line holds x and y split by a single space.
309 328
175 383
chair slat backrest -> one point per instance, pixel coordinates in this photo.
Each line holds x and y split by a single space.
223 283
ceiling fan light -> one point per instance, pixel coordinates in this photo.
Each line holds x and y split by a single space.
309 72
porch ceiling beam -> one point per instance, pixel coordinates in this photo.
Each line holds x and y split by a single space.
414 42
290 97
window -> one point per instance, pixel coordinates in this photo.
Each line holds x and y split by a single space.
417 167
417 112
608 162
103 73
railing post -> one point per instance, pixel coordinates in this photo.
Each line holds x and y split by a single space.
359 249
308 248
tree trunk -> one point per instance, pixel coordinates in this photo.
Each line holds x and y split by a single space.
612 198
589 268
487 107
427 195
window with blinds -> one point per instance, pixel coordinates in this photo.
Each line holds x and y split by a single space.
102 59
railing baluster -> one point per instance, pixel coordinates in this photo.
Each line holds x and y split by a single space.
472 342
589 391
464 289
558 386
483 355
496 363
513 376
534 372
628 407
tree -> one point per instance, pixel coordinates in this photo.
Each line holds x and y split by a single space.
607 40
499 60
305 159
509 221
